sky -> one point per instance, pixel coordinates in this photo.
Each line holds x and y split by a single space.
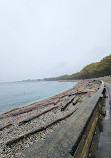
49 38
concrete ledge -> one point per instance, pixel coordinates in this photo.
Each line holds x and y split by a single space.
66 140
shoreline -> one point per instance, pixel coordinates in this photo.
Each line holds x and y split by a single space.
26 105
43 101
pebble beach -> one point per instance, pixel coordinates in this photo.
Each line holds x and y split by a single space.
22 127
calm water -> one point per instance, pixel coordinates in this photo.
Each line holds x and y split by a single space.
17 94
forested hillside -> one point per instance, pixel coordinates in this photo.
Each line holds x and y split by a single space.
93 70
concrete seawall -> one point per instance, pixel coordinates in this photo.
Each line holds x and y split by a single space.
74 137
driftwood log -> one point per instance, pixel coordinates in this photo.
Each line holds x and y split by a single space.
6 126
66 104
74 93
36 116
75 101
77 93
14 140
81 92
22 111
57 101
28 109
63 96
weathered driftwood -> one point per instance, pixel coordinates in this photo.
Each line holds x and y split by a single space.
55 102
74 93
18 112
81 92
63 96
27 109
77 93
75 101
6 126
66 104
22 111
14 140
36 116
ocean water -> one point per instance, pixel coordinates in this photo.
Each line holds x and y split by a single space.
18 94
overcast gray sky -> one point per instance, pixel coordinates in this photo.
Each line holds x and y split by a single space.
46 38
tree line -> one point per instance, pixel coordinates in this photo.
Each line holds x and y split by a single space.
93 70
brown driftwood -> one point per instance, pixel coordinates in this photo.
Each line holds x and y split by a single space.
36 116
55 102
81 92
14 140
31 109
23 111
28 109
77 93
74 93
64 106
63 96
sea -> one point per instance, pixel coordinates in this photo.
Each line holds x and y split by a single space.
19 94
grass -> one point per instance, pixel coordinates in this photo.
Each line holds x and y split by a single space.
79 100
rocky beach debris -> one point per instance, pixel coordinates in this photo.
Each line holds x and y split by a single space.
21 127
